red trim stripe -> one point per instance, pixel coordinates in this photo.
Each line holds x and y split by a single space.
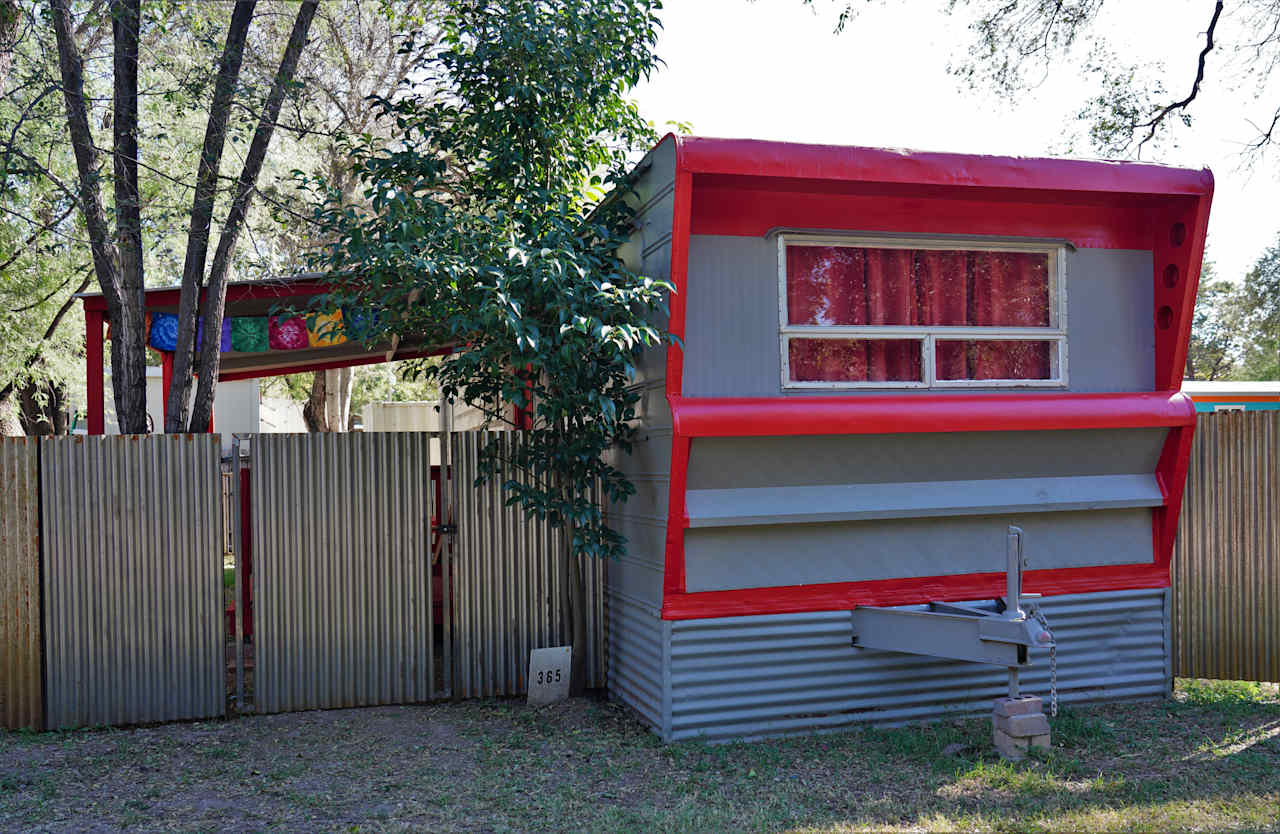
890 414
839 596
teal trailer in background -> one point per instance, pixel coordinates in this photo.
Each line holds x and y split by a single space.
1232 396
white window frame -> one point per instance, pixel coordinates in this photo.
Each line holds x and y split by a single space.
929 336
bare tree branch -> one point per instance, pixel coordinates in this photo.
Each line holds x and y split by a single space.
32 238
1153 124
50 330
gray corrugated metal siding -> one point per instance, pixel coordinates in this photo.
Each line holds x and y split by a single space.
133 579
20 649
1226 563
508 584
749 677
342 570
635 654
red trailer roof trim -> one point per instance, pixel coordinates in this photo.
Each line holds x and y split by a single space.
760 158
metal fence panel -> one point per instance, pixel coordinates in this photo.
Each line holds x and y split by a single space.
133 579
1226 563
508 587
20 688
341 530
750 677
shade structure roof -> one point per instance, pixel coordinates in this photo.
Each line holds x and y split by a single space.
257 299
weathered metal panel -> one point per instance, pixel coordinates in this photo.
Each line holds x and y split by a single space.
731 346
508 591
20 642
635 655
133 579
749 677
1226 562
342 570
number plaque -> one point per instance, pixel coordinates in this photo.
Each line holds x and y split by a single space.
549 675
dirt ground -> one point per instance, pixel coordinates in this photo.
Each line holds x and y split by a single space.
1208 759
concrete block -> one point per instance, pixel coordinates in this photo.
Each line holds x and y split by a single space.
1040 741
1019 706
1009 747
1032 724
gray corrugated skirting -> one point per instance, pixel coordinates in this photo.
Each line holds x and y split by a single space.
133 572
635 654
20 688
750 677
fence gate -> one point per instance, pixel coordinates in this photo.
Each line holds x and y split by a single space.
1226 563
342 571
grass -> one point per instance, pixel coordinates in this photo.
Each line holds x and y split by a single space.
1207 759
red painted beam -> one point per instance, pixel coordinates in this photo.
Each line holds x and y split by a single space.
324 366
897 414
168 296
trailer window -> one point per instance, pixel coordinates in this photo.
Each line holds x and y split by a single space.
899 313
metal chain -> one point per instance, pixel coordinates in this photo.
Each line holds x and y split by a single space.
1053 662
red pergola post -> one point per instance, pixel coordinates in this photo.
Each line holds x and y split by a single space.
166 382
93 371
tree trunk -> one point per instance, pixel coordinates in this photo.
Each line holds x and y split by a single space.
43 408
10 16
216 295
124 309
9 425
575 612
215 136
338 398
313 412
328 408
128 341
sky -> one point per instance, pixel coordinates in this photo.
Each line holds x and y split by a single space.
774 69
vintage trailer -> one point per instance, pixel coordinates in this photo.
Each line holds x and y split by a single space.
885 359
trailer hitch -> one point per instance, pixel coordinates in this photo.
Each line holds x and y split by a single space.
999 632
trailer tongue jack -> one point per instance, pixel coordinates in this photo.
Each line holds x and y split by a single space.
1000 632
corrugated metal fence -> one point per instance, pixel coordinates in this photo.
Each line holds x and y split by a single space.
509 591
342 570
131 534
342 575
133 579
1226 564
20 691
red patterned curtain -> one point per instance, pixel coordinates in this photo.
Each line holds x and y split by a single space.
833 285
